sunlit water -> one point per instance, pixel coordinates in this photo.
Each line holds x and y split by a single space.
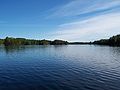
70 67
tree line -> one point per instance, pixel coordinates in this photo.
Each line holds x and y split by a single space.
112 41
9 41
1 41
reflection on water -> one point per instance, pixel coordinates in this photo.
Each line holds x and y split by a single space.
12 49
69 67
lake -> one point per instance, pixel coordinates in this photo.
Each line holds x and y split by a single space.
65 67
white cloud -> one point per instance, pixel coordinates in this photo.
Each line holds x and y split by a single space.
102 26
96 27
78 7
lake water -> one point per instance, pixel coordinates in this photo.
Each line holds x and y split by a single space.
70 67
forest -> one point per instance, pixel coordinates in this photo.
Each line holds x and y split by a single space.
10 41
112 41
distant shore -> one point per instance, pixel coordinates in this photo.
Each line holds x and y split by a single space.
10 41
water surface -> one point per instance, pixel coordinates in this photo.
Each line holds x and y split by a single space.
69 67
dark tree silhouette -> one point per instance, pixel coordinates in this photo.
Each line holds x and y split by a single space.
1 41
9 41
112 41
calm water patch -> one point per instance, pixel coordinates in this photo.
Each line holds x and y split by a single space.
69 67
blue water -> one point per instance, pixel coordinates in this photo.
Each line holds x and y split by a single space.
69 67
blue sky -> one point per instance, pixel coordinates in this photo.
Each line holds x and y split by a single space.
72 20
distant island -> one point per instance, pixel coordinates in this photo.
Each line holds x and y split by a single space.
10 41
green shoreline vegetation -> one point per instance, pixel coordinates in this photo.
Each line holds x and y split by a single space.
9 41
112 41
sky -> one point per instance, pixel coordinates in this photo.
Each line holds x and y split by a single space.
71 20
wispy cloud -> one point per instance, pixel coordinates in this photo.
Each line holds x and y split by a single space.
78 7
94 28
97 26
